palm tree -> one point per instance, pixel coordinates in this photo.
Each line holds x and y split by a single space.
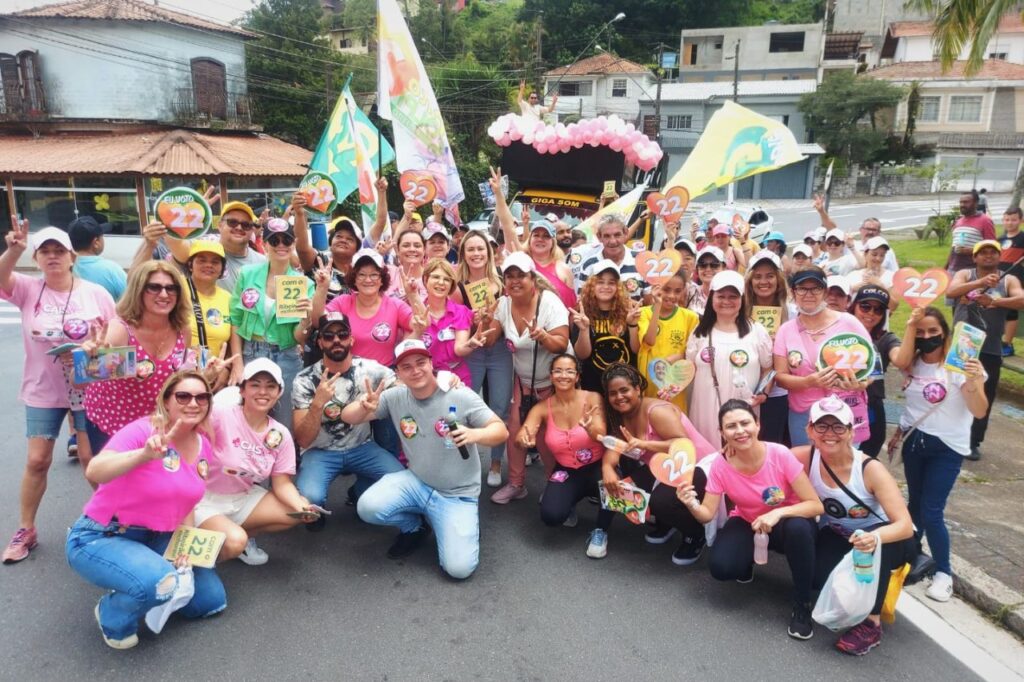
959 22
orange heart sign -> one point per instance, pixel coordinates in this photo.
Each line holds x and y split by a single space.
919 289
669 206
675 468
740 227
658 267
184 212
849 354
321 192
418 187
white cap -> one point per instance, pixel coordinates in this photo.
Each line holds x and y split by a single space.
410 347
599 267
372 254
50 234
835 233
839 281
254 367
520 260
683 241
434 228
804 249
727 278
552 218
820 232
711 251
766 255
876 242
834 406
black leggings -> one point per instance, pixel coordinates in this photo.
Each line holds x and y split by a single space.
775 420
668 511
876 418
560 497
732 555
831 547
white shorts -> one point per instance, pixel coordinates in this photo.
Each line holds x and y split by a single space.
235 506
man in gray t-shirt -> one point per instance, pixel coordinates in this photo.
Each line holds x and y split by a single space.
440 483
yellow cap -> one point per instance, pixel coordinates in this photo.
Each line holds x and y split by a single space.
206 246
238 206
987 242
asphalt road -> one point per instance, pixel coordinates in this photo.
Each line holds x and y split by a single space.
330 605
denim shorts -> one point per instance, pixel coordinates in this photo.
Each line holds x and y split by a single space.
45 422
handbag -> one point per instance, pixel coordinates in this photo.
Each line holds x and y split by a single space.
198 313
526 402
899 434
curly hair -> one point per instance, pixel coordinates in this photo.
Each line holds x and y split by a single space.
619 370
385 276
620 305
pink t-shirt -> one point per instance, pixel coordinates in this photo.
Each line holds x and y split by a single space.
45 324
244 457
375 338
801 352
769 488
439 338
151 495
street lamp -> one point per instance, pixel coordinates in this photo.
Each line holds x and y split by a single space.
618 17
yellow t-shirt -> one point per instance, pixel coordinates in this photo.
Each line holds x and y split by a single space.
216 318
673 333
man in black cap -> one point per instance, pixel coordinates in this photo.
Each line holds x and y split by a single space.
86 236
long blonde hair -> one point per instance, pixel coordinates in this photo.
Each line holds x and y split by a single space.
490 269
131 306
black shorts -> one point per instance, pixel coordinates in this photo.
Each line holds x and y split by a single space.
1012 315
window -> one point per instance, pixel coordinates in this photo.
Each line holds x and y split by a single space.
718 45
928 110
691 54
575 88
997 55
21 87
786 42
965 108
619 87
679 122
209 87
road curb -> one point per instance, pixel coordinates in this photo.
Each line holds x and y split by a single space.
1002 604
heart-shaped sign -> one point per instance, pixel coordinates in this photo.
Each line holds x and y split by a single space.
321 192
917 289
675 468
673 377
849 354
740 227
184 212
669 206
418 187
658 267
636 246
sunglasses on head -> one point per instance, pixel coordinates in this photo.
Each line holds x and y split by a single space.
331 336
184 398
280 239
234 222
154 288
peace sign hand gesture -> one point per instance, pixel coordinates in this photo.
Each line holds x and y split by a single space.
97 339
219 363
156 445
579 317
325 389
495 182
527 439
322 276
17 238
536 333
633 316
479 340
589 410
632 442
370 401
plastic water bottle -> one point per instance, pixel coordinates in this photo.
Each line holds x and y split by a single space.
863 562
761 548
619 446
451 423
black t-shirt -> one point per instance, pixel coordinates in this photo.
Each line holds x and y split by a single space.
606 348
883 346
1013 250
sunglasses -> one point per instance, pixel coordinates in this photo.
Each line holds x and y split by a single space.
184 398
836 428
154 288
833 242
708 264
234 222
280 240
866 307
331 336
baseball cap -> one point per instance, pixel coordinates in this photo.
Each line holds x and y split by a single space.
712 251
810 234
701 236
334 317
410 347
344 222
872 294
238 206
840 282
600 266
774 237
206 246
372 254
727 278
765 255
820 232
832 406
835 233
720 228
83 230
987 243
543 225
519 260
803 249
50 234
808 274
277 226
875 243
254 367
433 229
687 244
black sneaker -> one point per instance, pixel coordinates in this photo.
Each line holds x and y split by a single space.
407 543
800 625
316 526
975 454
659 535
689 551
748 578
920 568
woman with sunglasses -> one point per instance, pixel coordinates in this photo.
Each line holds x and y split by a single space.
150 475
710 261
254 306
479 287
838 261
344 238
870 306
766 287
55 308
836 469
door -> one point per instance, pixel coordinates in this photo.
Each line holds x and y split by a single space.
209 84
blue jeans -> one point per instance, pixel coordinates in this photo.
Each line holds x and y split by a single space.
495 364
290 363
46 422
931 468
131 564
798 428
319 467
400 499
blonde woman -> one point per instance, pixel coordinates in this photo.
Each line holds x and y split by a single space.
447 334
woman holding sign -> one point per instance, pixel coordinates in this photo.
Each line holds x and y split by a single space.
270 308
664 328
149 475
766 301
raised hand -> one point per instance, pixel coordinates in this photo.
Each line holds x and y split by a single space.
17 238
384 246
156 445
322 276
97 338
419 324
325 389
212 195
382 184
535 332
409 207
154 232
655 298
299 202
589 411
525 438
495 182
217 364
633 316
370 400
579 317
479 339
819 203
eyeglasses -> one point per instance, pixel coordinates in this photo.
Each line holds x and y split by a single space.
331 336
184 398
866 307
234 222
838 429
807 291
564 372
156 289
280 240
368 276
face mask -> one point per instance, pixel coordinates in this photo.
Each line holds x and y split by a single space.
927 345
819 308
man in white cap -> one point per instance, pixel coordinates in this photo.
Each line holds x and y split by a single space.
442 482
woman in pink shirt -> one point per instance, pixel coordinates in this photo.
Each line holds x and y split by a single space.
447 335
405 284
772 498
149 475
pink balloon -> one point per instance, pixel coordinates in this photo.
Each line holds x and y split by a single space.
541 148
505 140
564 146
515 134
528 138
615 145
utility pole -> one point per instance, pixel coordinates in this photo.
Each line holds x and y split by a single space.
538 60
657 95
736 73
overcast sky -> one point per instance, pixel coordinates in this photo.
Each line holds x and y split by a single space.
223 12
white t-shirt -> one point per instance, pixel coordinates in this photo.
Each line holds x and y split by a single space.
551 314
856 278
889 263
843 265
930 385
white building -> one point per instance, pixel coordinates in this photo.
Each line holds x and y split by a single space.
769 52
911 41
600 85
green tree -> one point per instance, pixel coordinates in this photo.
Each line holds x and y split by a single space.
843 114
361 15
962 22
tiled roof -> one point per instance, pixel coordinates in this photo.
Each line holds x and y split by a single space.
603 63
172 152
1010 23
991 69
842 45
127 10
699 92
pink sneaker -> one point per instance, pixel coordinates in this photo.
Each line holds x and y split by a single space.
508 493
23 542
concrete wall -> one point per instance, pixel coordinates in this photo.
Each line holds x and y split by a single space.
922 48
946 92
119 70
754 48
1004 111
601 101
872 16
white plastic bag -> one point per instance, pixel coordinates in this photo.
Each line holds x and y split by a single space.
845 601
157 616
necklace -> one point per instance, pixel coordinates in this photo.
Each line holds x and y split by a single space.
814 333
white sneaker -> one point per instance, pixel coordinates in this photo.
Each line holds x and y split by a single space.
253 555
941 588
493 479
597 546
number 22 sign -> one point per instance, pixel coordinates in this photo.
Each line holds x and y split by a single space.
658 267
917 289
418 187
669 206
184 212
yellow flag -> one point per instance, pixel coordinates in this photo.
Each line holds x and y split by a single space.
735 144
623 206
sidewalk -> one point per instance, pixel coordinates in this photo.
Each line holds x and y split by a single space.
985 515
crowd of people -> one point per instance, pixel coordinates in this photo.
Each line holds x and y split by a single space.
409 347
